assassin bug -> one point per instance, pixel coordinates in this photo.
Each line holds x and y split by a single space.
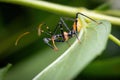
63 36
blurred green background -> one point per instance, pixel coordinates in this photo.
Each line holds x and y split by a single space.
30 56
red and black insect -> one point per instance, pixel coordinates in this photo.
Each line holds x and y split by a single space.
63 36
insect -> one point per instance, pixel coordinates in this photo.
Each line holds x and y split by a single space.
63 36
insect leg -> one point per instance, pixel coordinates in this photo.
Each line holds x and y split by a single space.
71 32
65 35
87 17
46 40
53 42
59 26
75 29
55 30
63 22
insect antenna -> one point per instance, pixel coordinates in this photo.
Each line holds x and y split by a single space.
19 37
39 29
42 31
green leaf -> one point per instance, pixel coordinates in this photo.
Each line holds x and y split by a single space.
79 55
3 71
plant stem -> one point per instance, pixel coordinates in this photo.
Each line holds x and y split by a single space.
110 12
114 39
62 9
